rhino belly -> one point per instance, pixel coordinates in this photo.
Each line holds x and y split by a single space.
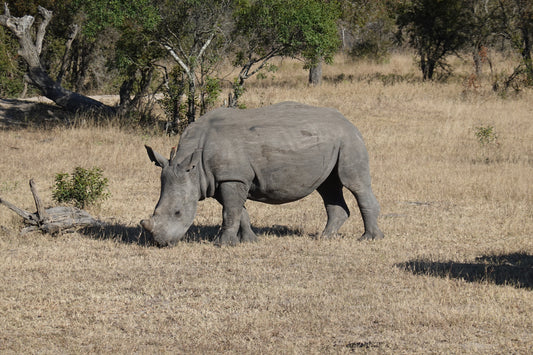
288 175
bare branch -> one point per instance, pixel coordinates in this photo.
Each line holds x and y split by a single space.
245 72
74 32
47 16
41 213
206 44
177 58
29 217
19 25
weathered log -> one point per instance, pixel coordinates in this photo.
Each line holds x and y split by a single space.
52 220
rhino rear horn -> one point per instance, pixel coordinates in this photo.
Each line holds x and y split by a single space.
157 158
191 161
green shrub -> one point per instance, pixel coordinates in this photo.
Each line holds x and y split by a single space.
83 187
488 142
11 75
486 135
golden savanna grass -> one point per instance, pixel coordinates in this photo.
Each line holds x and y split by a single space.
453 275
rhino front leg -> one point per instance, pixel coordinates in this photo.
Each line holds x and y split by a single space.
232 196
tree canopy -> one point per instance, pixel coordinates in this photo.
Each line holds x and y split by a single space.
177 46
292 28
434 28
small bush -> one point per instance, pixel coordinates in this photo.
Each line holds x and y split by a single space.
486 135
488 141
83 187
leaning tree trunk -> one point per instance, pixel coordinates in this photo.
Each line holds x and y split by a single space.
30 51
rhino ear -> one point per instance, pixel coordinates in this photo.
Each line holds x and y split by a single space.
191 161
157 158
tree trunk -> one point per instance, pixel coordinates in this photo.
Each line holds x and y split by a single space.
30 51
428 67
191 104
68 45
526 52
477 60
315 73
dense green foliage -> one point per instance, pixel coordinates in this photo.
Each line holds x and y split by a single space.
83 187
434 28
265 29
367 28
196 36
514 19
177 46
304 28
10 71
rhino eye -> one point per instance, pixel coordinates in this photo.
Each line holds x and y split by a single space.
177 214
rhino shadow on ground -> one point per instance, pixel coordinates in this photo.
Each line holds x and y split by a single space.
514 269
197 233
200 233
119 232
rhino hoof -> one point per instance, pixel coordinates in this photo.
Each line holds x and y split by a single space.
221 241
371 236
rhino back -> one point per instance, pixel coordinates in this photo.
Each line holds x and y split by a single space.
282 152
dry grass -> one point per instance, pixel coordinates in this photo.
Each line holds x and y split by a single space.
458 221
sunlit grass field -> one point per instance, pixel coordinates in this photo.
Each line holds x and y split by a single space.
454 274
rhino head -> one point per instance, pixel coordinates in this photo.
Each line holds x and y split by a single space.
176 208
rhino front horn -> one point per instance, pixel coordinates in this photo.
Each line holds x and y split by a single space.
147 225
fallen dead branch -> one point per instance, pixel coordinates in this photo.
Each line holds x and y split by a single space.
52 220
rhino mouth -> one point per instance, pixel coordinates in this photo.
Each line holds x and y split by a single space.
159 238
147 225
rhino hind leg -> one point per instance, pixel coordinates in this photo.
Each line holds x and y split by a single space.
246 234
356 178
336 208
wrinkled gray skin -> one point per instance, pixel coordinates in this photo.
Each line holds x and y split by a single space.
274 154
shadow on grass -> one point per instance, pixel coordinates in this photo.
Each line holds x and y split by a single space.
119 232
197 233
20 114
509 269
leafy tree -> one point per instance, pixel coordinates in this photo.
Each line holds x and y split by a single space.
290 28
31 44
195 33
10 72
371 24
435 28
119 31
482 30
102 28
516 21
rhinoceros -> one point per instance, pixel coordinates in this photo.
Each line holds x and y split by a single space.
275 154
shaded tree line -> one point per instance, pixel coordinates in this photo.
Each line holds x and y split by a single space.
438 28
176 47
